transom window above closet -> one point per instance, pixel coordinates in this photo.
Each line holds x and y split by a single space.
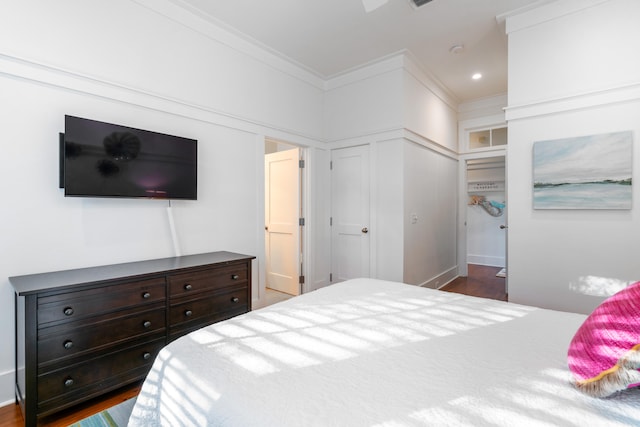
487 138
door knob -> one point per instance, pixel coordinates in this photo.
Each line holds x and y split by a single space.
502 226
365 230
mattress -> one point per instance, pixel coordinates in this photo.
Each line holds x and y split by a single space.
367 352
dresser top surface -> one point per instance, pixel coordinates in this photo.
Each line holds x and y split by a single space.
32 283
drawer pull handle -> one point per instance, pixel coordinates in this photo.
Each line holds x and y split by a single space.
188 313
68 382
146 295
188 287
68 344
235 277
68 311
235 300
147 324
146 355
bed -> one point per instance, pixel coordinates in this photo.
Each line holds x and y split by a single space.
374 353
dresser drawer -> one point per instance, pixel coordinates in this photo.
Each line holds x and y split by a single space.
233 299
81 304
95 374
205 280
72 339
178 330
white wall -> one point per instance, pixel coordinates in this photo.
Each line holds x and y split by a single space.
484 112
178 56
430 180
430 216
429 110
364 102
572 72
415 206
124 63
388 205
391 95
411 128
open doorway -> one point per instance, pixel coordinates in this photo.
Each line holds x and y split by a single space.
485 211
283 220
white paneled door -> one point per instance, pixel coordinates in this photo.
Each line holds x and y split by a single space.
350 213
282 214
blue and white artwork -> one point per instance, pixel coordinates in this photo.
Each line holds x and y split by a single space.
587 172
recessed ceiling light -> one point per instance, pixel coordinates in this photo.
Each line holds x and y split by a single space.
476 76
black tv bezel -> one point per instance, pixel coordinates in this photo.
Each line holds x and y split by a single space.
61 149
61 183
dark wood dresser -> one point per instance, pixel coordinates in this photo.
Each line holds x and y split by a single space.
85 332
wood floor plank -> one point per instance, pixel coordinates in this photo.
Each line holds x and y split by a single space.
11 416
480 282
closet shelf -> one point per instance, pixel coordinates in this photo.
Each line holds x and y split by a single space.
494 185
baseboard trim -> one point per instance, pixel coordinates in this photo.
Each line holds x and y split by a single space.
7 380
491 261
441 279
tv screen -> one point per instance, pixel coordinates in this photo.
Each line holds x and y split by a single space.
107 160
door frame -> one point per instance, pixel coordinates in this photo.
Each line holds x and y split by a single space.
462 207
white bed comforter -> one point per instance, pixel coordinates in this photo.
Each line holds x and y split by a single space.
374 353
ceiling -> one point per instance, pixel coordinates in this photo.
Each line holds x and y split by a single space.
329 37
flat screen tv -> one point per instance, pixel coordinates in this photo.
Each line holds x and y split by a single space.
106 160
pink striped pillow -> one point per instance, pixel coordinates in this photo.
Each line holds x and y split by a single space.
604 355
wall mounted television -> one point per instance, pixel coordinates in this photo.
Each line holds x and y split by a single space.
100 159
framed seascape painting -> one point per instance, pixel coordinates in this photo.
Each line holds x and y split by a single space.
586 172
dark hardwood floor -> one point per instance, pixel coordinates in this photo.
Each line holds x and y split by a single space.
10 415
481 282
